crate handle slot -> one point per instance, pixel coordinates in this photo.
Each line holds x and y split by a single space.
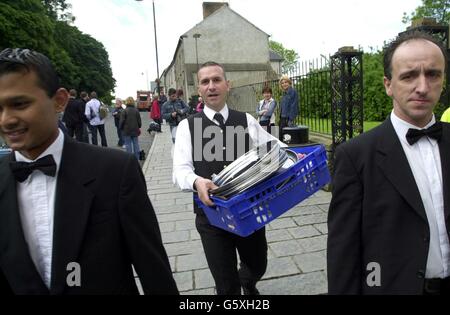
282 184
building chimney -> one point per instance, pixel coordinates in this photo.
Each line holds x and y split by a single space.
211 7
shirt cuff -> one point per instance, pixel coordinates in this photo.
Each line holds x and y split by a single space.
190 179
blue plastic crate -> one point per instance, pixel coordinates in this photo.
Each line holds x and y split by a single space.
249 211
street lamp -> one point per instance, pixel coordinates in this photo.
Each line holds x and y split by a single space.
196 36
156 47
146 79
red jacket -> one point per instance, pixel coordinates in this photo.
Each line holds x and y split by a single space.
156 111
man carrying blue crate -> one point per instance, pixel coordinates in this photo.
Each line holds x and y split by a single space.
197 157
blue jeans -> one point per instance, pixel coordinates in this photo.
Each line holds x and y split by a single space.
132 145
120 136
173 131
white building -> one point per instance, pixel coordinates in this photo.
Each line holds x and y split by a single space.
225 37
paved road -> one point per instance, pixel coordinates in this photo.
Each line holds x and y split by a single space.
297 240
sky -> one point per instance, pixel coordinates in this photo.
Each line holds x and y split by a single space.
312 28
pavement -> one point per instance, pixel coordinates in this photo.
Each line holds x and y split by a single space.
296 241
145 139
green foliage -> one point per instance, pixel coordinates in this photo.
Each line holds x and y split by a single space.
94 72
377 105
438 9
290 56
57 9
314 90
81 61
25 28
315 94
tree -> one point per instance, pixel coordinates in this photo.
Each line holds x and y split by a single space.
93 67
377 105
81 61
290 56
438 9
58 10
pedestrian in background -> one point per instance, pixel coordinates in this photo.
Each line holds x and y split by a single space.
446 116
173 111
92 112
86 125
288 104
155 113
130 124
74 116
116 114
265 110
200 105
162 97
180 99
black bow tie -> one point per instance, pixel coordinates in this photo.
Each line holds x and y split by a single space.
220 119
22 170
435 132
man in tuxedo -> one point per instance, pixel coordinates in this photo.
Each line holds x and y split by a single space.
388 224
74 218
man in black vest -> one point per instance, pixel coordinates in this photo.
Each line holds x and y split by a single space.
195 163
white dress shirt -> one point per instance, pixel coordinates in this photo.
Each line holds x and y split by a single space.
183 166
425 162
36 201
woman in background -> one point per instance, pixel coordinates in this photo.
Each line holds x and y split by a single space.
130 123
116 114
266 109
288 104
155 112
200 105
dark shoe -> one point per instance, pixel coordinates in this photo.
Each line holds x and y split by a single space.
250 290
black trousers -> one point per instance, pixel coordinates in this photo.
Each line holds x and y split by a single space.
267 125
436 286
220 249
101 131
119 136
86 132
76 130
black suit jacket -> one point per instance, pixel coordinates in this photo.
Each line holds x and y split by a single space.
103 221
74 113
377 215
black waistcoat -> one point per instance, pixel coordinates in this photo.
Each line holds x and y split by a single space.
211 151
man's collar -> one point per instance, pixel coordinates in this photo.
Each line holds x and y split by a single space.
54 149
210 112
401 127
